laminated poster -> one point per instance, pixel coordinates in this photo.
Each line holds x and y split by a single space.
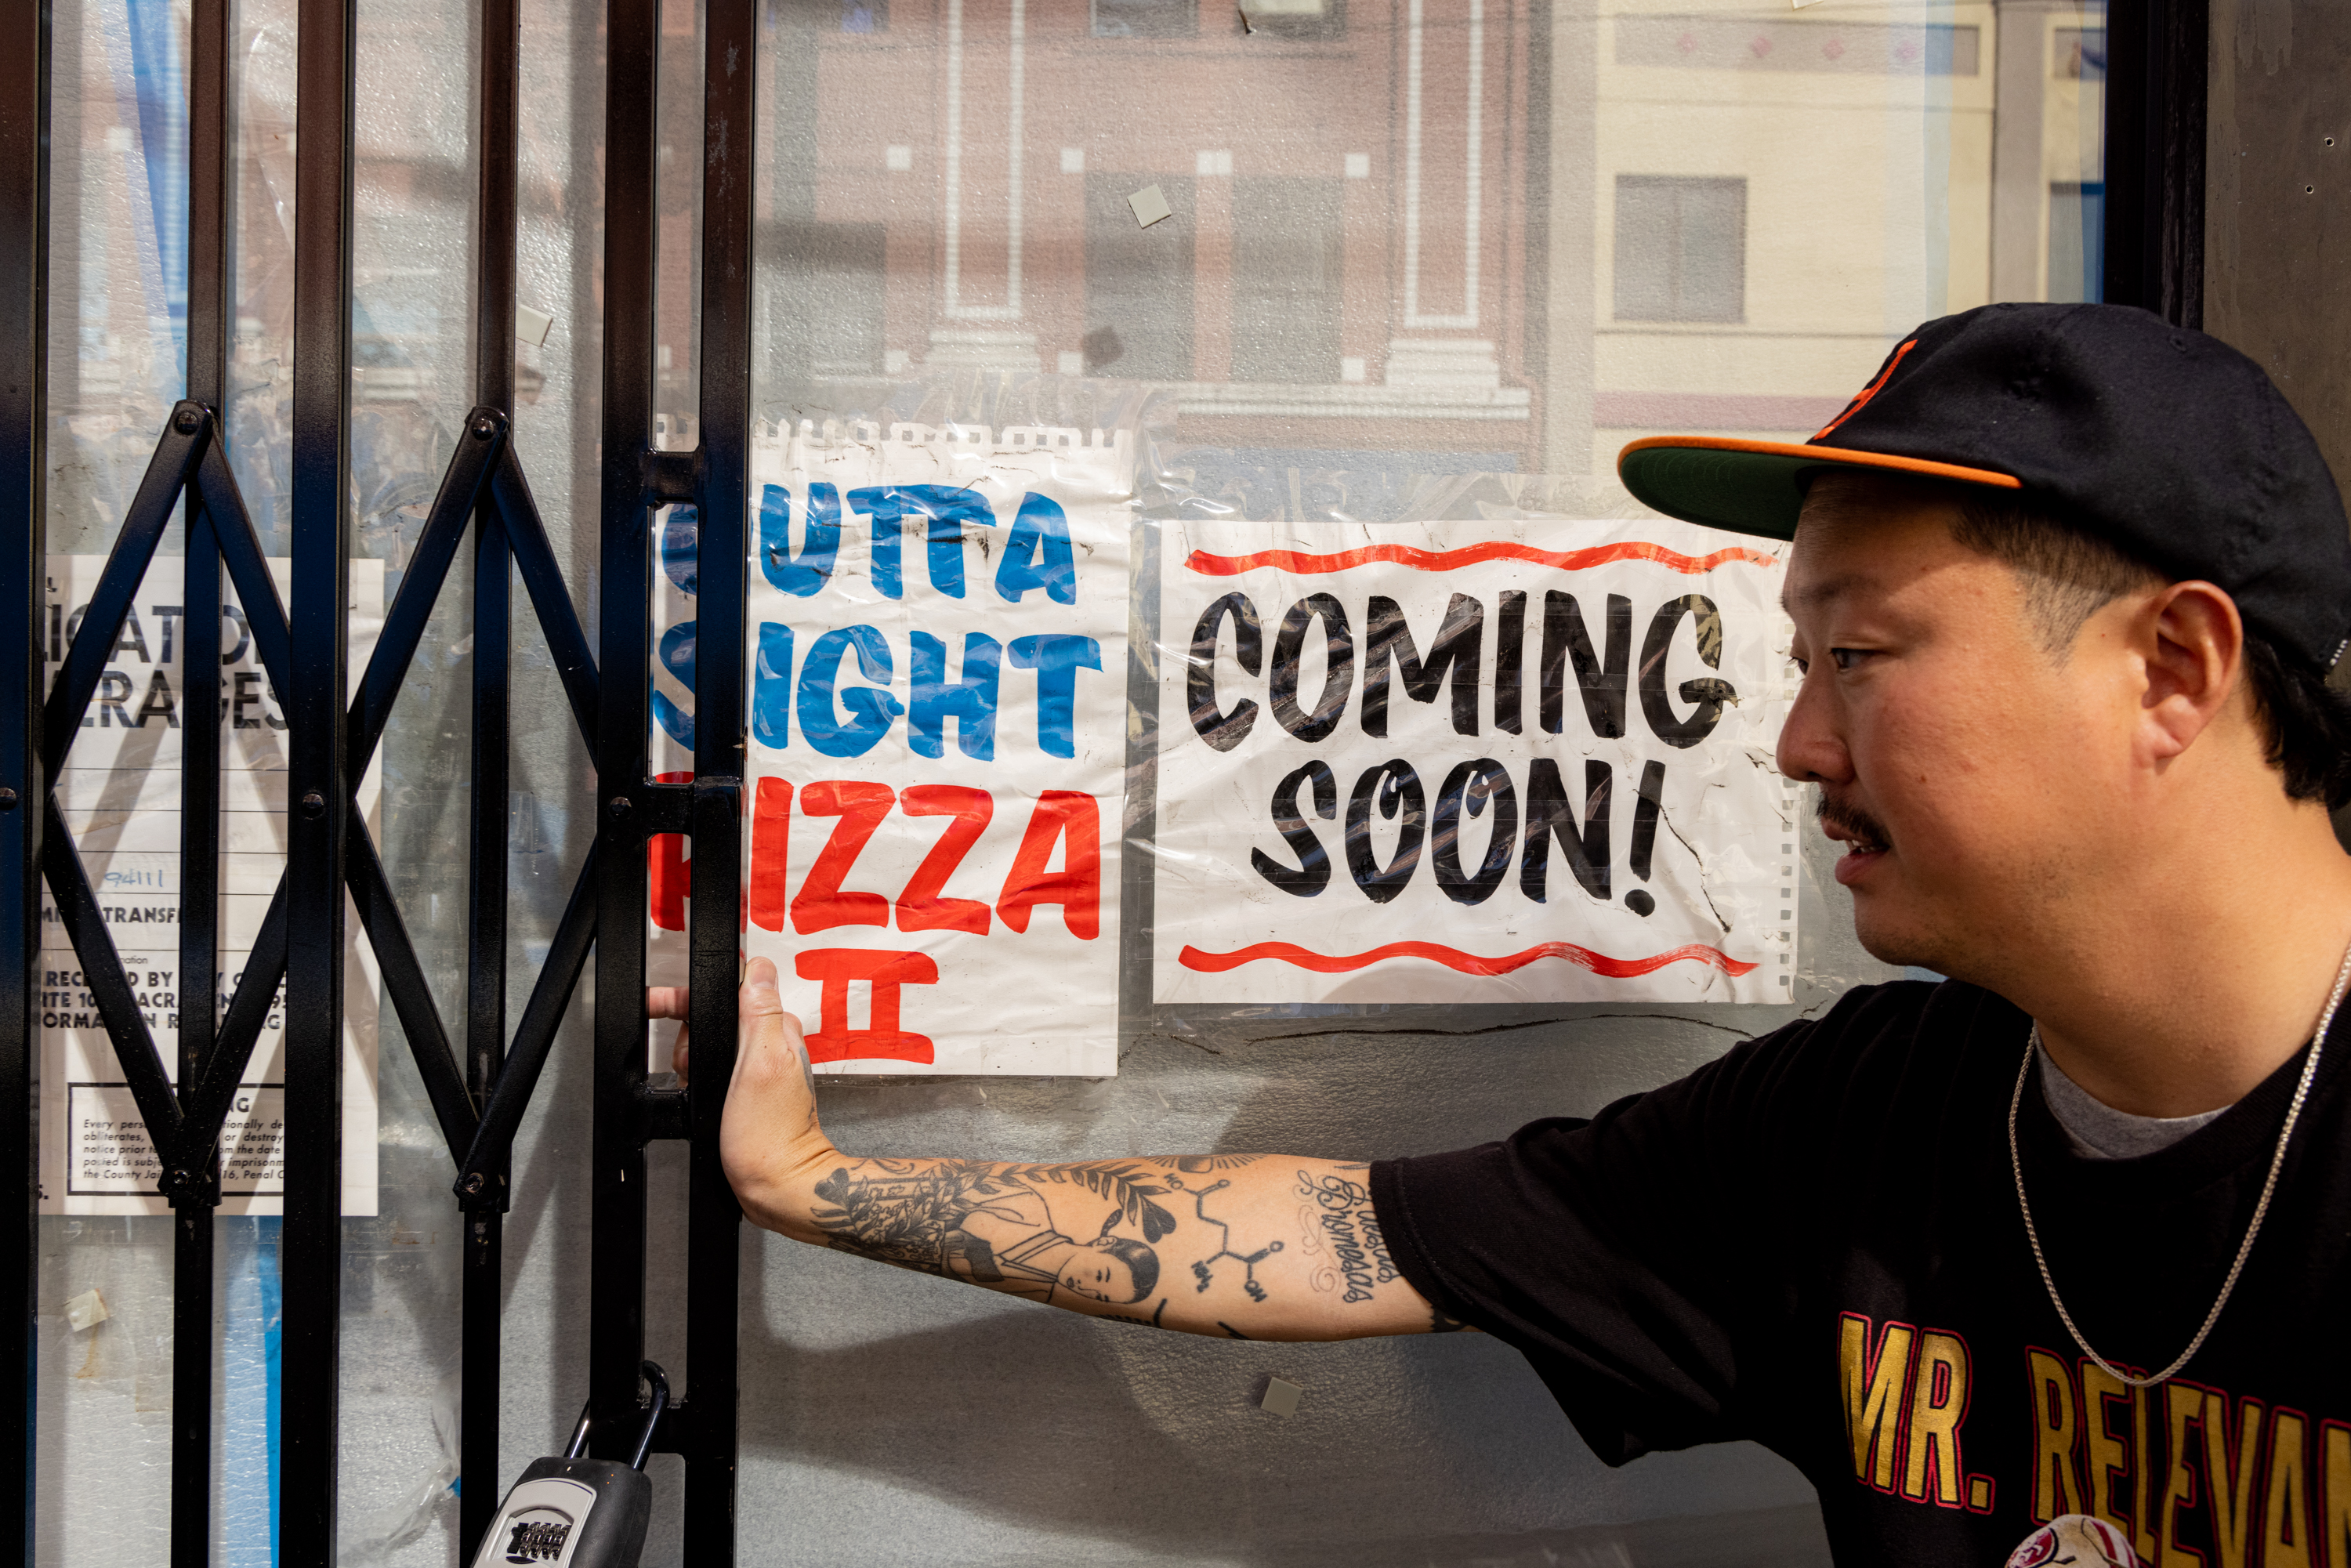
1522 760
120 792
937 647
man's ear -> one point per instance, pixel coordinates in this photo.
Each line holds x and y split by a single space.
2193 644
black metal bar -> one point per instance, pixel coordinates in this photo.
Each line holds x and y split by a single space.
126 566
460 495
84 922
240 547
318 792
249 1008
197 985
210 307
567 955
495 217
550 599
722 499
24 371
2156 91
409 992
617 1262
484 1297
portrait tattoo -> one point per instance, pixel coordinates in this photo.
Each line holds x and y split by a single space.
997 1225
1339 1226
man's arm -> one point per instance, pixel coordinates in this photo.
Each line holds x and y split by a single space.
1235 1246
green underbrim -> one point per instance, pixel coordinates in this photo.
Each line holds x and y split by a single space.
1759 492
1758 486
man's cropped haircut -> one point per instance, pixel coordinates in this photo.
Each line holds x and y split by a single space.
2070 573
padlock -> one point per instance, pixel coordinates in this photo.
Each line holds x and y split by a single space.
568 1512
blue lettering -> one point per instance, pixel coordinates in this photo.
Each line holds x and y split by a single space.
948 507
874 710
674 721
771 687
1038 554
677 653
820 538
933 699
679 535
1056 658
885 505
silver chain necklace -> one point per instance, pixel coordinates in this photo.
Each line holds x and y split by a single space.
2260 1209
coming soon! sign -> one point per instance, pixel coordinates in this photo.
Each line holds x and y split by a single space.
1471 762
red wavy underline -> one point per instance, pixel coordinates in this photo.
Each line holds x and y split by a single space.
1454 959
1300 562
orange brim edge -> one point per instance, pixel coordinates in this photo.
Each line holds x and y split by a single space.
1839 455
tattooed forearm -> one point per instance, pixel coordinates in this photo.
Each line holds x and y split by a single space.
1337 1223
994 1225
1237 1245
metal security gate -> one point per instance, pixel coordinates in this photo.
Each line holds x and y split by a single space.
479 1071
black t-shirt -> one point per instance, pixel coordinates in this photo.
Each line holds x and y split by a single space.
1815 1243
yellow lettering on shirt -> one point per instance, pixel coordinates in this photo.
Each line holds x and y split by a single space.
2055 1425
2286 1500
1939 1398
2105 1456
2183 1407
1872 1378
2231 1465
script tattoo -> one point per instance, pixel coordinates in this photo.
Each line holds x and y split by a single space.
996 1224
1336 1220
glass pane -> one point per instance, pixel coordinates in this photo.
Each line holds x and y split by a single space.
1401 244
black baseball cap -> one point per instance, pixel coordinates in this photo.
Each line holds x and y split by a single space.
2168 441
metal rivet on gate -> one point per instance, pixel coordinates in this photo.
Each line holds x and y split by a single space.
484 427
8 800
474 1182
619 805
314 804
188 421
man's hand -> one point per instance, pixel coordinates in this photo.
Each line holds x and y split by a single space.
770 1132
1239 1246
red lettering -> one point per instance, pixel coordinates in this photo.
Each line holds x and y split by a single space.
1070 819
821 904
771 837
920 906
838 968
669 875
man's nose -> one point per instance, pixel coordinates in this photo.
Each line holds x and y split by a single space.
1812 748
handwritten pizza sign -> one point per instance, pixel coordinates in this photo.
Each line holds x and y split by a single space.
1526 760
938 641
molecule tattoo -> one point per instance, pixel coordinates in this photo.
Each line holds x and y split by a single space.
1249 1261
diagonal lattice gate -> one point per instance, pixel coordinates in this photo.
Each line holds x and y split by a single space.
478 1075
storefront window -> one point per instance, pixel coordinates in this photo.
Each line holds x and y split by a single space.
1401 239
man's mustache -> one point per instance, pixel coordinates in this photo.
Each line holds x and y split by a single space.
1842 818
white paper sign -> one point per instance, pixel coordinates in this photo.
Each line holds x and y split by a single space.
120 793
1507 761
936 639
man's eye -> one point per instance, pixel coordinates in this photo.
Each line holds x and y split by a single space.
1846 658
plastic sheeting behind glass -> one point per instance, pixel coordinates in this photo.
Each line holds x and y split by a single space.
1395 271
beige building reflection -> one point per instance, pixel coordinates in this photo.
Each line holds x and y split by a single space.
1443 226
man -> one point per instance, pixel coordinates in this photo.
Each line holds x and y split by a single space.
2065 1235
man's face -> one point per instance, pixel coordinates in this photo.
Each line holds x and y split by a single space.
1100 1274
1976 782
